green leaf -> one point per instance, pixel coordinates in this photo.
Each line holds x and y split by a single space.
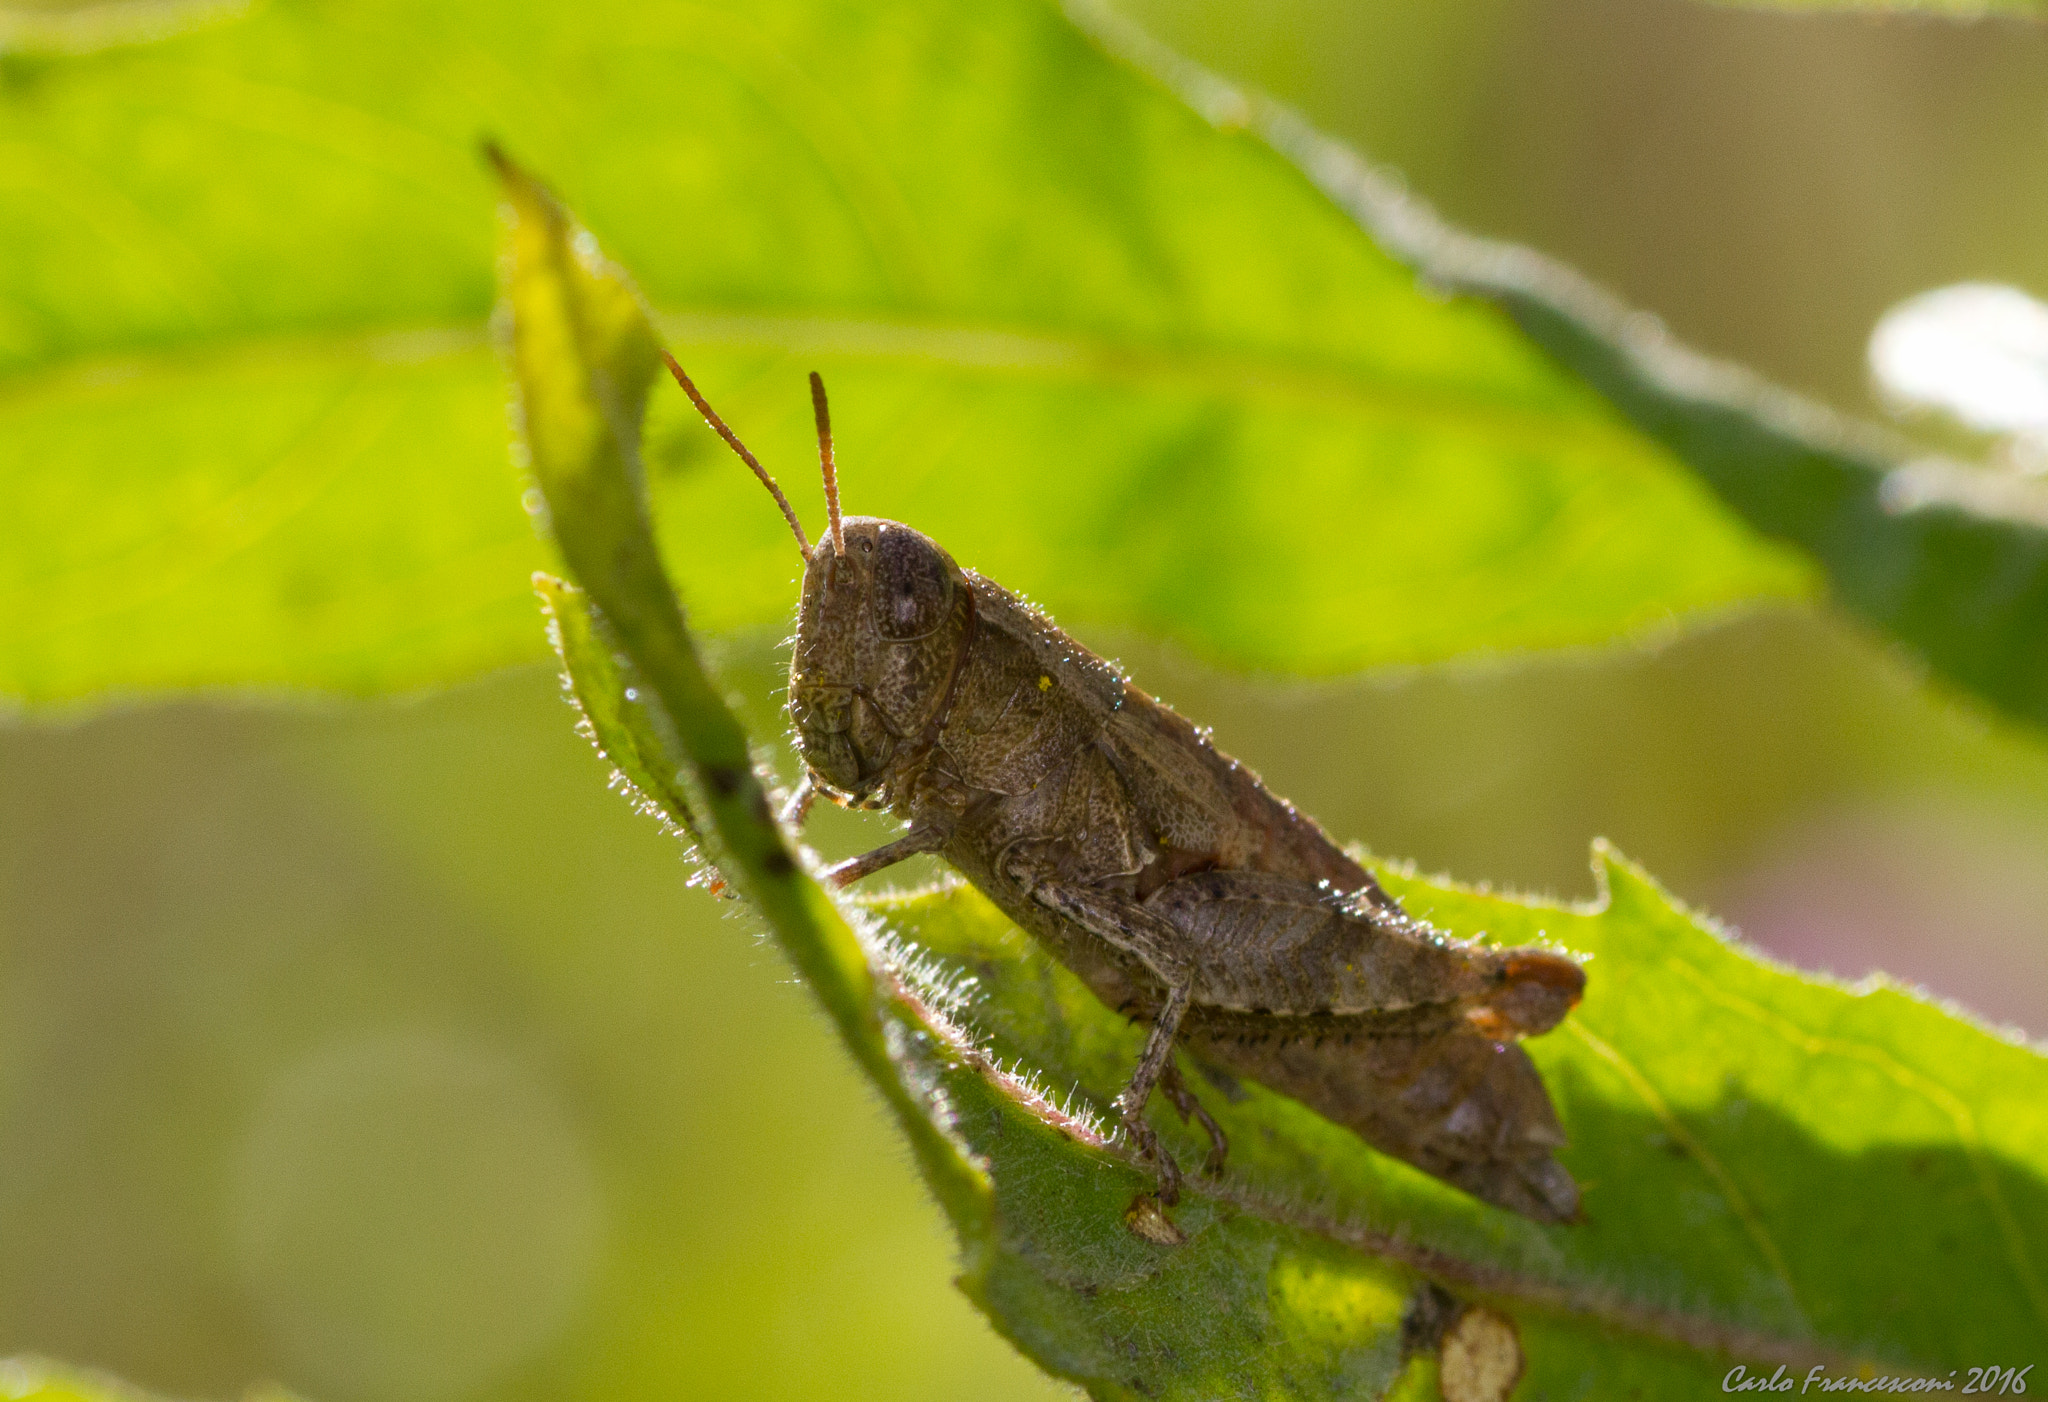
1741 1133
242 364
1135 366
1949 558
583 353
1744 1136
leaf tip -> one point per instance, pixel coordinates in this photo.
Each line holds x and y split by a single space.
526 194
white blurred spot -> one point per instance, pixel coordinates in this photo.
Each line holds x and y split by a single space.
1977 351
414 1216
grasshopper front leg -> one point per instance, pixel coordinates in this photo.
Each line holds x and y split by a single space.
924 836
800 800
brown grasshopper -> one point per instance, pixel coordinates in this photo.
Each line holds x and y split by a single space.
1156 868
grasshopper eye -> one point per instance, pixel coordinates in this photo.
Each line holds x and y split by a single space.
912 587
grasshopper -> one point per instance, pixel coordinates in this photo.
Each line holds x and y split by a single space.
1159 870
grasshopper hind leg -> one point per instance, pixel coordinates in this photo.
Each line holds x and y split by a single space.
1183 1101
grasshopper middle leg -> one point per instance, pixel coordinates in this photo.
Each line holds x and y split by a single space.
1162 949
1156 1061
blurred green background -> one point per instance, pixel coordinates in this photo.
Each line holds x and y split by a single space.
380 1052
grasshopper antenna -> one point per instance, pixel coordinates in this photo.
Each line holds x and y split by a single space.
824 418
732 441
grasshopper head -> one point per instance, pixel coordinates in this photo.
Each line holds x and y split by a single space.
878 641
879 636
